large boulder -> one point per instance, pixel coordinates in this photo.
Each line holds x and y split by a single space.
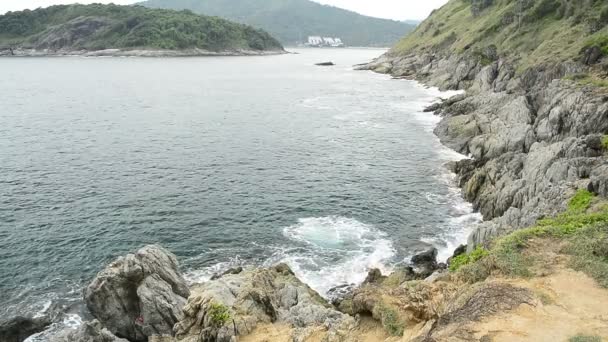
19 328
235 304
425 263
139 295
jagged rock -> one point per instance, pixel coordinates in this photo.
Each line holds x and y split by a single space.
591 55
373 276
139 295
533 137
19 328
425 263
87 332
254 297
235 270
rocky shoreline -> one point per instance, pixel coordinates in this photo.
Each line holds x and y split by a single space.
534 137
143 297
7 52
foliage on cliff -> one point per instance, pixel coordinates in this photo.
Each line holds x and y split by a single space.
97 27
581 232
291 21
534 32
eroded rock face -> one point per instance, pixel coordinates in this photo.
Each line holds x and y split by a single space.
254 297
139 295
534 138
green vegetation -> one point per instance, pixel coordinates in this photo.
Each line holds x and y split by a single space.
605 142
531 32
292 21
581 201
585 338
583 228
220 314
390 320
465 259
96 27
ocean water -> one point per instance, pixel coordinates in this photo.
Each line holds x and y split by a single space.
224 161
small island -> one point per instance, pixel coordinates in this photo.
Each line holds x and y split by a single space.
113 30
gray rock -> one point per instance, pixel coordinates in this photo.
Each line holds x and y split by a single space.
253 297
19 328
534 137
139 295
87 332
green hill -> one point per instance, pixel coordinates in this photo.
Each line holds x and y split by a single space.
98 27
292 21
528 32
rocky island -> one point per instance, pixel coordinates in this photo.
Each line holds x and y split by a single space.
112 30
533 119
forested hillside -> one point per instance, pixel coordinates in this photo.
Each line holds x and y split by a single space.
98 27
532 31
292 21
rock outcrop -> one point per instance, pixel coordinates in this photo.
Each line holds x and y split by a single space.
534 138
235 304
19 328
139 295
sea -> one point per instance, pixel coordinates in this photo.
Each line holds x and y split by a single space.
225 161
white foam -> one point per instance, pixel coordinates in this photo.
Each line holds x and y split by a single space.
71 321
339 251
205 274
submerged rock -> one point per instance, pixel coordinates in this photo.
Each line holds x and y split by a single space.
19 328
139 295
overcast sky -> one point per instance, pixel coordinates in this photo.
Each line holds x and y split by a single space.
393 9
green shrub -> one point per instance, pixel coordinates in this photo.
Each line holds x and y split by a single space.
600 41
467 258
390 320
220 314
585 338
582 200
605 142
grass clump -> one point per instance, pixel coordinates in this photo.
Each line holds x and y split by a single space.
219 313
465 259
581 200
585 338
390 320
589 250
586 234
605 142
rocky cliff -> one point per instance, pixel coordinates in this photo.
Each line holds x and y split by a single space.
534 115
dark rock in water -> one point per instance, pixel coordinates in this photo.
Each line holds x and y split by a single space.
19 328
88 332
139 295
325 64
339 293
374 276
425 263
426 257
459 250
235 270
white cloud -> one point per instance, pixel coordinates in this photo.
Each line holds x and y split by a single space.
393 9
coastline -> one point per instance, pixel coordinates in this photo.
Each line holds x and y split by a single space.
153 53
530 142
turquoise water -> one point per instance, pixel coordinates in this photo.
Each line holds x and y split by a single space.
224 161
